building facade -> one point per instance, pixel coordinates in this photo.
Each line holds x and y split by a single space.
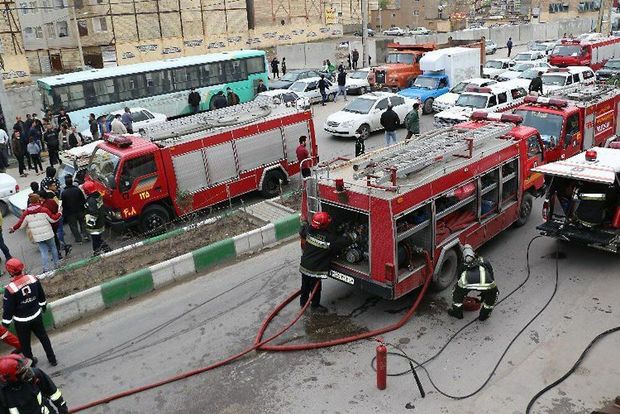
555 10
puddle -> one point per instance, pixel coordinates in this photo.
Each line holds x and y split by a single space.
560 255
325 327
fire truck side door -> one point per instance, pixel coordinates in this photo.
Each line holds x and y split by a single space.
573 136
139 180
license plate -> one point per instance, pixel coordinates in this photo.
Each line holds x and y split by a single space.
342 277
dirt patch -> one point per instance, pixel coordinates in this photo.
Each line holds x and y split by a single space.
291 201
107 268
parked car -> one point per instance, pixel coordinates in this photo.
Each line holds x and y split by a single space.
517 69
588 37
544 47
364 114
495 67
448 100
394 31
418 31
293 76
611 68
371 33
530 57
287 98
557 78
526 76
8 187
141 118
490 47
308 88
357 81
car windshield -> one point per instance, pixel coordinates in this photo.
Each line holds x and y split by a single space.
102 166
425 82
539 47
523 56
548 125
459 88
472 101
612 64
564 50
529 74
521 67
290 77
554 80
359 75
494 64
406 58
298 86
139 116
359 106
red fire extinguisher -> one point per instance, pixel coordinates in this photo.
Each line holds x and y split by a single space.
381 366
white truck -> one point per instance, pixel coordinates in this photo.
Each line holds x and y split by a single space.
441 70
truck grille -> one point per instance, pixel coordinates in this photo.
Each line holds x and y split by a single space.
332 124
380 77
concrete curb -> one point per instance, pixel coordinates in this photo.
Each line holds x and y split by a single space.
114 292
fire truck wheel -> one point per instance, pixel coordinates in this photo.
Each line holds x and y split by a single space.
154 218
525 210
428 106
271 183
447 272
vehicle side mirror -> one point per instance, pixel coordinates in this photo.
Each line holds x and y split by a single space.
111 183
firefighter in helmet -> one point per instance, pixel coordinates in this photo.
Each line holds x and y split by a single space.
28 390
476 274
319 248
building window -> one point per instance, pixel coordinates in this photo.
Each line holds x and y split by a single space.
78 4
100 24
82 28
416 12
38 32
47 6
24 8
60 4
50 32
63 29
28 33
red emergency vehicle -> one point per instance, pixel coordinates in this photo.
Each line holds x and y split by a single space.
573 119
593 53
456 185
195 162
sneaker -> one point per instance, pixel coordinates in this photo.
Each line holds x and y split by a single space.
34 362
53 362
68 248
319 309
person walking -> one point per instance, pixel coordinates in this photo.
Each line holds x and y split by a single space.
342 84
390 122
117 125
34 151
275 71
63 136
4 150
127 120
322 85
18 152
477 275
3 246
283 66
231 97
53 145
76 139
24 304
360 145
52 203
412 121
63 118
536 85
194 100
38 220
73 201
509 46
93 127
302 154
355 56
261 87
95 222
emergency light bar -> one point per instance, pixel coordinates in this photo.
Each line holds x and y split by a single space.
485 116
118 140
478 89
560 103
591 155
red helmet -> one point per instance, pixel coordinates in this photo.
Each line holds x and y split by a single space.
14 266
321 220
89 187
13 367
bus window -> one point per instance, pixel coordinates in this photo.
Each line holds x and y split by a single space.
130 86
104 91
255 65
76 96
158 82
239 71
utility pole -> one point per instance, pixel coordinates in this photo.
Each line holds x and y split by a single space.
77 35
365 33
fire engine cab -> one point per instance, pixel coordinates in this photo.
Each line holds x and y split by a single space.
195 162
452 186
582 203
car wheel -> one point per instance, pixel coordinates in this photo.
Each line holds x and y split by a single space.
271 183
428 106
4 208
154 219
447 272
364 131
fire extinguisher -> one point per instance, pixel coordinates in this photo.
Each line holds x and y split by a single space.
381 366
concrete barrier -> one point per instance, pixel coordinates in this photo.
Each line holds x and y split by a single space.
526 33
539 32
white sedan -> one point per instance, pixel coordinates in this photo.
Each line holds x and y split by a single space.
141 118
531 56
394 31
363 114
519 68
308 88
8 187
357 81
286 97
495 67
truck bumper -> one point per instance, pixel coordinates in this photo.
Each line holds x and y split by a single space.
604 239
374 288
120 226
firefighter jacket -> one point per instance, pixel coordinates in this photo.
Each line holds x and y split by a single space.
23 299
319 249
23 398
477 277
49 390
94 218
9 339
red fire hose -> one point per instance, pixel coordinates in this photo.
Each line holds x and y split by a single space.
261 344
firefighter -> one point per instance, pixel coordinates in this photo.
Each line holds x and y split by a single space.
24 302
476 274
318 249
94 218
25 390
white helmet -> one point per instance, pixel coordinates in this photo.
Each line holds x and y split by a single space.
468 254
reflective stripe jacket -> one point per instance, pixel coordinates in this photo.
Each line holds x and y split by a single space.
23 299
320 247
49 390
478 277
22 398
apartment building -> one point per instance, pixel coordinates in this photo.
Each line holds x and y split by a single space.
554 10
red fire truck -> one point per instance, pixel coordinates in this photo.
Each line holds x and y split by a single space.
195 162
594 53
455 185
573 119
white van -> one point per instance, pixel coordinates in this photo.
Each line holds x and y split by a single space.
558 78
448 100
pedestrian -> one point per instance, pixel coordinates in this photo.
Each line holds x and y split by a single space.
275 71
25 141
194 100
331 68
127 120
94 217
412 121
476 274
63 118
35 132
34 150
25 303
51 139
322 85
360 145
26 389
102 125
73 201
93 127
51 119
231 97
50 201
219 101
39 221
509 46
302 154
349 61
4 150
3 246
536 85
75 138
28 122
283 66
117 125
342 84
18 151
261 87
319 247
63 136
390 122
19 125
355 55
34 187
50 177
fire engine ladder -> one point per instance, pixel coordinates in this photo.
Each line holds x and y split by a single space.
312 194
585 93
428 149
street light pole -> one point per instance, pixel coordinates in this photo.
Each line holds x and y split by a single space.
364 33
77 34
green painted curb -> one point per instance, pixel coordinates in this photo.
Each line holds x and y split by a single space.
287 226
127 287
213 253
164 236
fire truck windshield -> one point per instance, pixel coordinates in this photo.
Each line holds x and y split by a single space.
102 167
566 50
406 58
548 125
472 101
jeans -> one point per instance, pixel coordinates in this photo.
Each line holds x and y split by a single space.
342 90
323 97
3 246
44 246
390 137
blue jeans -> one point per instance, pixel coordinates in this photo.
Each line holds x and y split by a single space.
44 246
390 137
342 90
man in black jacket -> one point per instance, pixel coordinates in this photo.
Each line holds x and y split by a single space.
390 122
536 85
322 85
194 100
320 246
342 84
219 101
94 218
73 201
53 145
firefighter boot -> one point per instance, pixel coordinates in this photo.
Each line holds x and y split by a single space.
456 311
484 313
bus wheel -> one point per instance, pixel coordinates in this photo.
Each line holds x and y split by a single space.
271 183
154 218
525 210
447 272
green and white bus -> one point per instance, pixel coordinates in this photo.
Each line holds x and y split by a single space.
161 86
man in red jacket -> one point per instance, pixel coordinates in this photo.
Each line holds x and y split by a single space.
302 154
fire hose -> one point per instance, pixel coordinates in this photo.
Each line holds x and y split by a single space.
260 344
